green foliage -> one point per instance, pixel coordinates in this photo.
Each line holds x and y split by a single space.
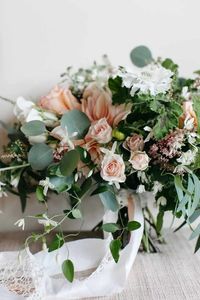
109 200
40 156
23 193
39 193
110 227
141 56
115 247
76 122
133 225
159 221
197 246
69 162
57 243
120 94
196 105
100 189
62 184
68 270
169 64
33 128
76 213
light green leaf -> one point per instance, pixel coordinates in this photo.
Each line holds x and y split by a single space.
196 106
141 56
76 213
110 227
39 193
76 122
115 247
133 225
69 162
33 128
169 64
109 200
195 233
61 184
40 156
68 270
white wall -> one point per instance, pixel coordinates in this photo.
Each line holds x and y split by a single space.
39 38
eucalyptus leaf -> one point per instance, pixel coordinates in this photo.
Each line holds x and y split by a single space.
141 56
109 200
40 156
62 184
69 162
76 123
33 128
68 270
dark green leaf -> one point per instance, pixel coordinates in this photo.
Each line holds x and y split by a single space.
110 227
197 245
141 56
100 189
57 243
69 162
22 189
76 122
68 270
133 225
40 156
115 247
159 221
169 64
33 128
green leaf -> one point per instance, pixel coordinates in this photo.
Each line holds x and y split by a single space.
195 233
133 225
22 189
141 56
62 184
85 187
76 122
69 162
39 193
159 221
170 65
100 189
84 155
109 200
68 270
57 243
196 106
76 213
110 227
33 128
197 245
40 156
115 247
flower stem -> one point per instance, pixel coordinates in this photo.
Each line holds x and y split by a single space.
14 167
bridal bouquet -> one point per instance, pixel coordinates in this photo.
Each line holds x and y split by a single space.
109 131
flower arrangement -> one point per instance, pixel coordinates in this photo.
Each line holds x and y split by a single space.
107 131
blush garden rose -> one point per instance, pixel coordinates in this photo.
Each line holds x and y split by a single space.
139 160
100 131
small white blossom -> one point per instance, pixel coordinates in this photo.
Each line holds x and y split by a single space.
162 201
46 184
142 176
20 223
185 94
47 222
187 158
189 123
157 187
2 192
141 189
63 135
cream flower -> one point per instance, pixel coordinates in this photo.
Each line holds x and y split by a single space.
46 184
112 166
139 160
153 79
46 221
20 223
100 131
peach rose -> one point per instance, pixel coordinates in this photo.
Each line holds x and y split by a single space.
188 113
134 142
139 160
97 104
59 101
113 168
100 131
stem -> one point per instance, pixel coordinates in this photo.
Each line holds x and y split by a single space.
7 100
14 167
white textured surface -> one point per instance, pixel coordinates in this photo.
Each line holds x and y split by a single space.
173 274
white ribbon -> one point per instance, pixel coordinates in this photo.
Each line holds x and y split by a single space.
89 255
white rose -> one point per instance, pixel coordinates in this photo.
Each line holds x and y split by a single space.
113 168
47 117
100 131
22 108
139 160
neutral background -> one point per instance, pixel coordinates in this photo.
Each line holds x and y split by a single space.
39 38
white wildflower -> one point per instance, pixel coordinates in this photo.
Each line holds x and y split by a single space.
63 135
153 79
2 192
189 123
20 223
157 187
142 176
140 189
162 201
46 184
46 221
187 158
185 94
